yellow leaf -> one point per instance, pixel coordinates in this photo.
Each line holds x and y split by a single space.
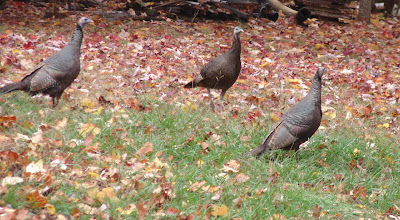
189 106
16 51
385 125
98 111
93 174
103 194
200 163
87 128
295 81
219 210
56 23
128 210
274 117
329 111
319 46
265 64
93 193
51 209
355 151
241 81
87 103
389 160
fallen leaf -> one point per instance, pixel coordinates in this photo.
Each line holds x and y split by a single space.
35 167
51 209
316 211
231 166
196 186
241 178
61 124
146 149
11 180
86 102
277 216
384 125
359 192
128 209
36 200
37 137
87 128
221 210
8 119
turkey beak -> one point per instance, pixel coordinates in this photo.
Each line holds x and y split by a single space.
90 22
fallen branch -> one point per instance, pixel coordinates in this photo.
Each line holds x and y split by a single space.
237 12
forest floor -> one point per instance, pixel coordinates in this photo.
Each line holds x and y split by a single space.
128 141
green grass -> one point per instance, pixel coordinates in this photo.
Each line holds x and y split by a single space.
326 173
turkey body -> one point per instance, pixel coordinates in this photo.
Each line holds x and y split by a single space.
222 71
56 73
298 124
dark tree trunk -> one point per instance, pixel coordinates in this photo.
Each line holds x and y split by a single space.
364 12
3 4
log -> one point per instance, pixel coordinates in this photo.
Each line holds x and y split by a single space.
302 15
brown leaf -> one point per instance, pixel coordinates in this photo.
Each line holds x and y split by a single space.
366 111
60 125
103 101
241 178
172 211
231 166
245 138
189 217
146 149
316 211
8 119
195 186
22 214
88 140
360 192
36 200
277 216
274 177
237 202
143 209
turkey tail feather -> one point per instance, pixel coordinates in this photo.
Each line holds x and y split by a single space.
258 150
11 87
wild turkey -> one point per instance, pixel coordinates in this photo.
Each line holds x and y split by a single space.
222 71
298 124
56 73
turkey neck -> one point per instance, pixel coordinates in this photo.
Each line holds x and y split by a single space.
315 92
77 36
236 47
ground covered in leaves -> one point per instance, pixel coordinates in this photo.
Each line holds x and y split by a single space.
127 141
